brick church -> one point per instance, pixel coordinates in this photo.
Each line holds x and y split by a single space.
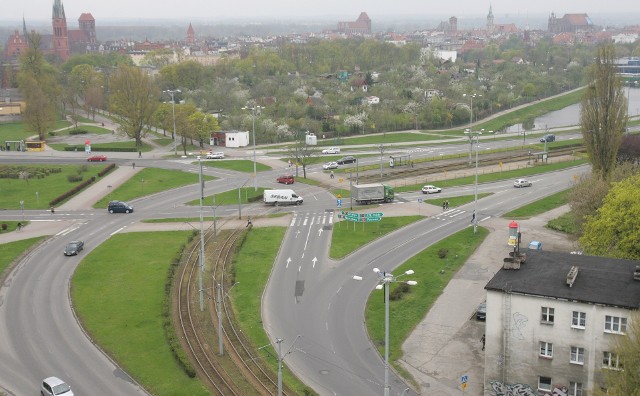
62 42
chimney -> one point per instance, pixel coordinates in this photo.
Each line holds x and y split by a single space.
571 276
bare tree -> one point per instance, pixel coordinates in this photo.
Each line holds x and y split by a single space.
603 113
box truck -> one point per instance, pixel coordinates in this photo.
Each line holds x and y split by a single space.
371 193
281 197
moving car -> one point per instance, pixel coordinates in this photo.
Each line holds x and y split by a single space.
216 155
521 183
73 248
346 160
429 189
281 197
548 138
481 313
285 179
97 158
119 207
331 150
54 386
330 165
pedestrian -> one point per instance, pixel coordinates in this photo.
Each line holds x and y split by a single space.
249 223
331 176
482 340
133 165
444 205
19 227
53 210
139 154
473 217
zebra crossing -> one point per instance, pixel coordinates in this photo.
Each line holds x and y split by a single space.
450 214
307 219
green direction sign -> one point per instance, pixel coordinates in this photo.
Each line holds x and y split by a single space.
376 214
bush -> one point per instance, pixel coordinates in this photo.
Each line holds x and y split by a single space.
106 170
4 226
77 132
442 253
398 291
74 178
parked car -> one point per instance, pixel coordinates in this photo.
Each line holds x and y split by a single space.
119 207
331 150
330 165
481 313
285 179
54 386
73 248
216 155
521 183
346 160
97 158
548 138
429 189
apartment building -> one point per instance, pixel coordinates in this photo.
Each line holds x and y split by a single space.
551 320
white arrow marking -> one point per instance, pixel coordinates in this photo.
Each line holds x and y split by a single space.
320 232
315 259
288 261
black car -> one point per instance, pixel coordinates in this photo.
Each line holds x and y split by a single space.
73 248
119 207
346 160
548 138
481 313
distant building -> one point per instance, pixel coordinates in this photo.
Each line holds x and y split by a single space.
191 35
552 320
570 23
362 25
229 139
490 20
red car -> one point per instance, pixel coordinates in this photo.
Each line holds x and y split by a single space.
97 158
286 179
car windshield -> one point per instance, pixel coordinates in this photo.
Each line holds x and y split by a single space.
61 389
72 245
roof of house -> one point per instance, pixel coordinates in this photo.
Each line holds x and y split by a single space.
600 280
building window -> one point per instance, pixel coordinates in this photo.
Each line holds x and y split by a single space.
547 315
611 361
544 383
575 389
614 324
577 355
579 320
546 349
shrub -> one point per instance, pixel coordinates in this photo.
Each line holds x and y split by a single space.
398 291
74 178
4 226
106 170
442 253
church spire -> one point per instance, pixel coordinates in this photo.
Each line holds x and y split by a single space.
58 9
24 27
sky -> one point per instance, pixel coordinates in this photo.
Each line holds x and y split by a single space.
309 10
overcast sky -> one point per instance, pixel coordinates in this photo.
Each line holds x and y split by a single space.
305 9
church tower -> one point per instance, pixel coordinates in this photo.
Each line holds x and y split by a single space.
60 37
191 35
490 20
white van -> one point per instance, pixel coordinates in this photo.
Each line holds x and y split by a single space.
281 197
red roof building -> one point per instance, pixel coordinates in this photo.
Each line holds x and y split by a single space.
362 25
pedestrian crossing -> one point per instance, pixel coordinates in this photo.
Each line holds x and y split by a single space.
451 214
308 219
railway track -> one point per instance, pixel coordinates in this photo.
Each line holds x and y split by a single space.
240 371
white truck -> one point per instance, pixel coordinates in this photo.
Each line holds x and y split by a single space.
371 193
281 197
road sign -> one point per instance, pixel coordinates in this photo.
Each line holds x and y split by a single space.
464 379
375 214
339 203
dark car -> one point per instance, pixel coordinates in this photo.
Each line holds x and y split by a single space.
73 248
97 158
481 313
346 160
119 207
548 138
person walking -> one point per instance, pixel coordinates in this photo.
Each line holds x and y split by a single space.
482 340
249 222
133 165
19 227
139 154
444 205
473 217
331 175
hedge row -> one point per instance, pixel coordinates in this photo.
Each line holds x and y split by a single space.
106 170
72 192
101 149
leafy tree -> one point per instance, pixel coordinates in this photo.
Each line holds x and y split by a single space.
134 99
629 150
613 230
163 118
38 85
183 128
201 125
603 113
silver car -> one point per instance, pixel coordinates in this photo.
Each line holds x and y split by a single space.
54 386
521 183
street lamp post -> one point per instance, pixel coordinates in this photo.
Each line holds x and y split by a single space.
384 279
471 96
173 110
474 219
254 109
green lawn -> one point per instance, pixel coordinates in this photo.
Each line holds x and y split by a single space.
118 297
43 185
432 274
456 201
19 130
12 250
149 181
540 206
235 165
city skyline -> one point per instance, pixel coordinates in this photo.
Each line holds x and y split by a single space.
289 9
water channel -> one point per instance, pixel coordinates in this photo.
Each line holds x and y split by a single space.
570 115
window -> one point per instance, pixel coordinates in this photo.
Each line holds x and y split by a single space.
575 389
544 383
614 324
610 360
579 320
547 315
546 349
577 355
